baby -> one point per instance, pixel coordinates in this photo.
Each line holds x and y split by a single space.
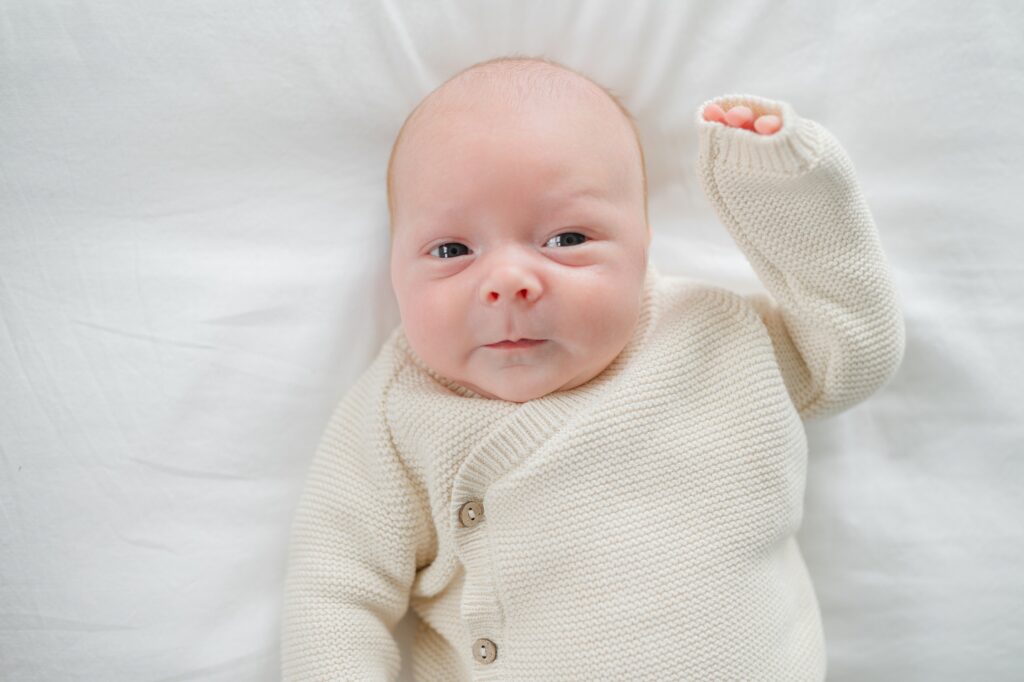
570 466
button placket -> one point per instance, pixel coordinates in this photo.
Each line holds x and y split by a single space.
471 514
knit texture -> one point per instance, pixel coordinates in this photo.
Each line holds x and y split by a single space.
640 526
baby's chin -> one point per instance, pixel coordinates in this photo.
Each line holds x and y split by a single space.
523 383
515 389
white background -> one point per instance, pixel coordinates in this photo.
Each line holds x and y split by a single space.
194 269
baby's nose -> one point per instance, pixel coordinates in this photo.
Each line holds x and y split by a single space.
511 286
495 296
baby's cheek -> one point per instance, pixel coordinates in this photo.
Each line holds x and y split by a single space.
596 312
432 311
619 308
440 313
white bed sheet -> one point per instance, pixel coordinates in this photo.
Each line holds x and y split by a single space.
193 270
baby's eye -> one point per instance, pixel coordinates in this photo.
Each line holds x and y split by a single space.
573 239
448 249
452 249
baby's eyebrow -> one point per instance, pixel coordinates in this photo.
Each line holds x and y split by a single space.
579 193
551 201
583 195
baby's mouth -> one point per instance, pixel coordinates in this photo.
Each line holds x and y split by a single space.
521 343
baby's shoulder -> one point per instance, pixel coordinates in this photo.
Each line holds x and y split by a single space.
367 391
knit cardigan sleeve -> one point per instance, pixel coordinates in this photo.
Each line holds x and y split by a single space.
792 204
358 529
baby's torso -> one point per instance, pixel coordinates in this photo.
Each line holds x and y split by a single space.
641 524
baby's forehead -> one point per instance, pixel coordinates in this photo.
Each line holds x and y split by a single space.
479 98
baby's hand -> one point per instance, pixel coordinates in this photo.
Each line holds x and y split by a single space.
740 116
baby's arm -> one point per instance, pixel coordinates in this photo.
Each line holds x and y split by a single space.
790 199
358 529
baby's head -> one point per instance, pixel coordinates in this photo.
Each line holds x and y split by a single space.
518 203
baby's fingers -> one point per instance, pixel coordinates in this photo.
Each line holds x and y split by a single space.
767 124
713 112
740 117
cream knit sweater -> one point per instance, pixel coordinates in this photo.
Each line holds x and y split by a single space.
638 527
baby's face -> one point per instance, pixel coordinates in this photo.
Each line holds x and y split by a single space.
512 225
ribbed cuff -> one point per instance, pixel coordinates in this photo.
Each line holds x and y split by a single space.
794 148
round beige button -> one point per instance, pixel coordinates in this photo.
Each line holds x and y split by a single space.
484 650
471 513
